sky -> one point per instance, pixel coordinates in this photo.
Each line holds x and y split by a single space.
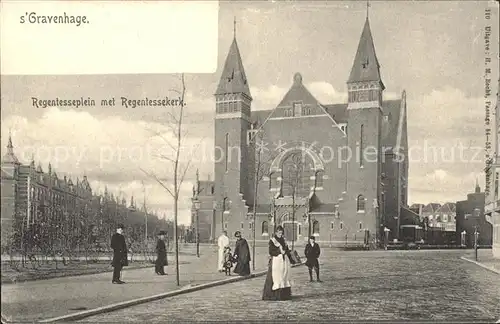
433 50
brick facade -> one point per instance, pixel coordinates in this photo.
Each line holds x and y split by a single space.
299 154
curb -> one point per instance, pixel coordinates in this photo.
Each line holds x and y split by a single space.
138 301
6 281
481 265
11 281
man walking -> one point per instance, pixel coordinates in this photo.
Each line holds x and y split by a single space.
222 242
312 252
120 257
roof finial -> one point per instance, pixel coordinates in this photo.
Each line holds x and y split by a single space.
234 27
9 144
367 8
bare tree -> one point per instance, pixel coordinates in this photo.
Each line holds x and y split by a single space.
294 171
261 170
173 185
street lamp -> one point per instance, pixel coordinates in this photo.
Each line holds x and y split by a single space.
386 237
273 211
477 212
214 208
197 205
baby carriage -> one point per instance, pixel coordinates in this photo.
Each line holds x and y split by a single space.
228 260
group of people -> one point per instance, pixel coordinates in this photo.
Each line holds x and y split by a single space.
277 284
240 256
120 254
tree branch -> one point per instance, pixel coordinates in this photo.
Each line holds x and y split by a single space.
152 175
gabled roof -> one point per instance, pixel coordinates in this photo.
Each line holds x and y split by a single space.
431 208
233 78
339 113
365 66
298 92
447 208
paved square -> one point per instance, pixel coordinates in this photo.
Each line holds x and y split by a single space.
376 285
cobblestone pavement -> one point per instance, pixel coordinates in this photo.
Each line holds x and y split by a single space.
29 301
485 257
380 285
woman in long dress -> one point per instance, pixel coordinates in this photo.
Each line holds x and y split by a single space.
241 255
277 285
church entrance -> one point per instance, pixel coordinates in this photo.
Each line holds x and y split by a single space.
292 230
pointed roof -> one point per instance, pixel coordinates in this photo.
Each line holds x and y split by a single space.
365 66
10 157
233 78
298 92
478 189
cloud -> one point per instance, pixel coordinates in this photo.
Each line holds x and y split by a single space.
324 92
110 150
446 113
442 186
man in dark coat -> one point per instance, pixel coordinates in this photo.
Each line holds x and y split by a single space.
120 256
161 254
312 252
241 255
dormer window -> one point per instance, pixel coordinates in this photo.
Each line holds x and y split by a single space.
297 108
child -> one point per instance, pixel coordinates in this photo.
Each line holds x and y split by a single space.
312 252
228 260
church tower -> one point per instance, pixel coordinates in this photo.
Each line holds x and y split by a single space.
9 184
232 123
364 111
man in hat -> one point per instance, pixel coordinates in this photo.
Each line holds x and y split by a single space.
120 256
241 255
312 252
222 242
161 252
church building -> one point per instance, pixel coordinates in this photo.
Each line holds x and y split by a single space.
333 170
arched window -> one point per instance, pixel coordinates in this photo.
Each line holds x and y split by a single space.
341 225
361 203
226 151
315 227
332 225
319 179
265 228
212 190
296 175
225 204
361 148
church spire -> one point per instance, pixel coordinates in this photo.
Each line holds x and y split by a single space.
234 28
10 157
478 189
366 66
233 78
